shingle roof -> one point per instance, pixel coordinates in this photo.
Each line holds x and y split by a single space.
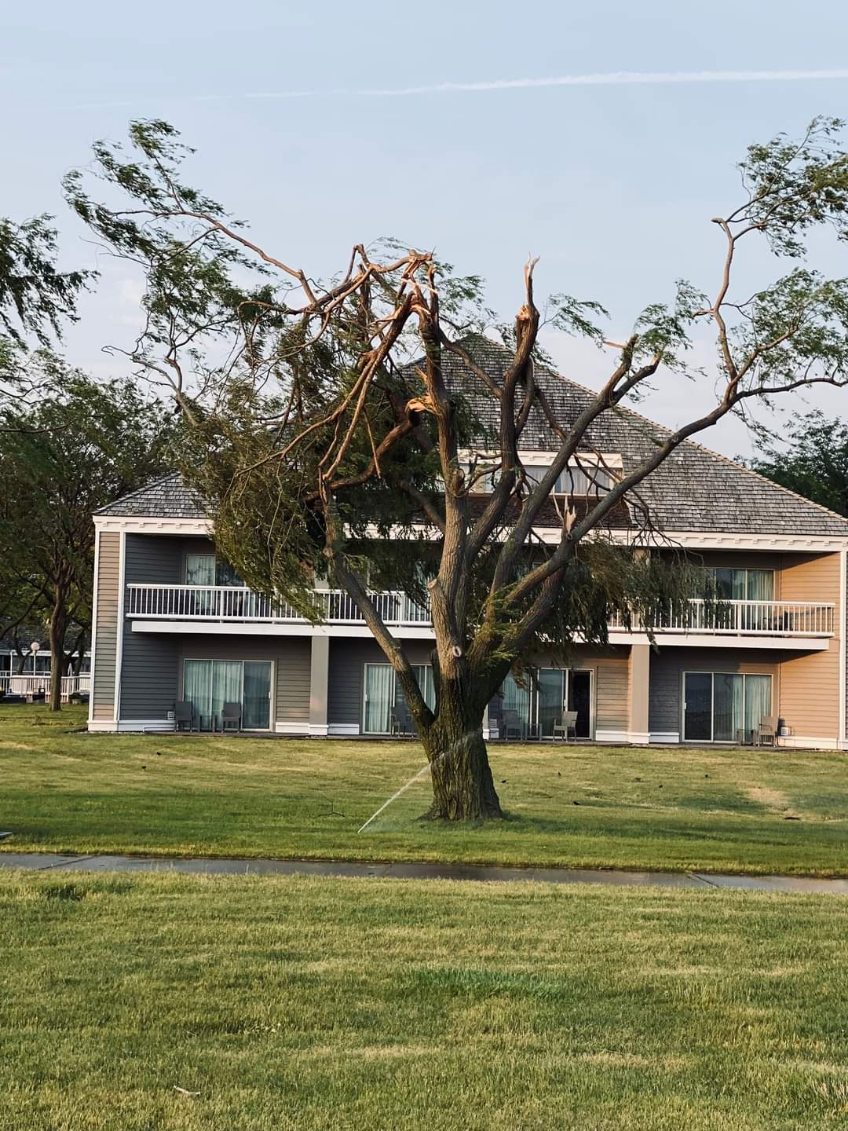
168 497
694 490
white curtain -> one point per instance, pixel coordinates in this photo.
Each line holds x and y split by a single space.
728 698
379 698
197 688
757 700
226 685
200 569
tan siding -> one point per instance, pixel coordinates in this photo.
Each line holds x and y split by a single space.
106 627
291 656
809 690
611 678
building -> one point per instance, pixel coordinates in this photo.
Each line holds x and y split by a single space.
173 623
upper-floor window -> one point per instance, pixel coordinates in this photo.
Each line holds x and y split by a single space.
208 569
728 583
586 474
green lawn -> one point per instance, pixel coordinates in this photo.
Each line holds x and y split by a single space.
315 1003
719 810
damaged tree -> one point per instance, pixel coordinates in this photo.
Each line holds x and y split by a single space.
328 439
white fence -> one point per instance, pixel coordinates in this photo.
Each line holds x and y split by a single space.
39 684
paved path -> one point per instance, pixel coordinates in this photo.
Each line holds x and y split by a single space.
210 866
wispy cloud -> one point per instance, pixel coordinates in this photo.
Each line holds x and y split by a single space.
600 78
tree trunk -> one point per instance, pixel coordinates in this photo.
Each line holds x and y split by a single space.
58 628
463 787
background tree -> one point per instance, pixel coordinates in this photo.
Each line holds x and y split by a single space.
325 425
80 445
810 459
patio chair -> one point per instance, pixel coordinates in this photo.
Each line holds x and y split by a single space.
401 723
567 725
766 733
231 716
512 725
183 715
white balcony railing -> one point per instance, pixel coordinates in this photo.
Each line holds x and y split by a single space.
235 604
744 618
239 605
39 684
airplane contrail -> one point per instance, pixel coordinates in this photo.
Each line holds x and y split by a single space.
599 78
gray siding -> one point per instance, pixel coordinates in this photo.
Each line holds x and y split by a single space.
667 669
149 675
106 627
291 656
347 661
153 559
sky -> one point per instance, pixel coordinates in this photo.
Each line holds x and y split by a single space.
488 131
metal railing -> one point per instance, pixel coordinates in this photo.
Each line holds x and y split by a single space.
742 618
240 605
39 684
229 603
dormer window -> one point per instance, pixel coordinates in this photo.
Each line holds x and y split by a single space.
588 473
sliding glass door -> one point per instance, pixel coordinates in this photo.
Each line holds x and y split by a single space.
724 706
209 684
385 710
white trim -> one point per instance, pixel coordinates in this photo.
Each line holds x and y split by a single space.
119 642
639 738
291 726
124 726
668 737
618 737
805 743
341 729
93 624
259 628
150 525
667 639
841 634
318 730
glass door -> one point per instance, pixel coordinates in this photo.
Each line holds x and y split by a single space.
698 707
256 700
379 699
515 714
580 700
551 699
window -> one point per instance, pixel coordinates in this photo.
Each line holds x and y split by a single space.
535 706
586 474
724 706
209 684
208 570
731 584
385 710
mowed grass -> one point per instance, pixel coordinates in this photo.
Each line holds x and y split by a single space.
326 1003
717 810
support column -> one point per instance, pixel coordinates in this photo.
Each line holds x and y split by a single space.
319 678
640 675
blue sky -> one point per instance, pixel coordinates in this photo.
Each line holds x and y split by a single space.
611 184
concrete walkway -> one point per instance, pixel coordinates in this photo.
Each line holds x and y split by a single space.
210 866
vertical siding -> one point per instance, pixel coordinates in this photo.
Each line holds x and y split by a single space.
291 656
669 664
106 627
809 700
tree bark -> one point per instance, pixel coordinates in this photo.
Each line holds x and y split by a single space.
463 787
58 628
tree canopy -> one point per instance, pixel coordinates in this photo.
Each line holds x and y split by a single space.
810 458
328 437
81 444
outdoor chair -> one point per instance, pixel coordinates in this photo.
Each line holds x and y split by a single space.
231 716
512 725
766 733
183 716
401 724
566 726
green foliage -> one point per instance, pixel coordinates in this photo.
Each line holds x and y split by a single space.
34 296
82 444
811 459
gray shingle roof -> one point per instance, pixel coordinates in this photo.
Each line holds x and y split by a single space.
694 490
168 497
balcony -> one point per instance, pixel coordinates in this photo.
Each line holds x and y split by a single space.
777 620
229 604
743 618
